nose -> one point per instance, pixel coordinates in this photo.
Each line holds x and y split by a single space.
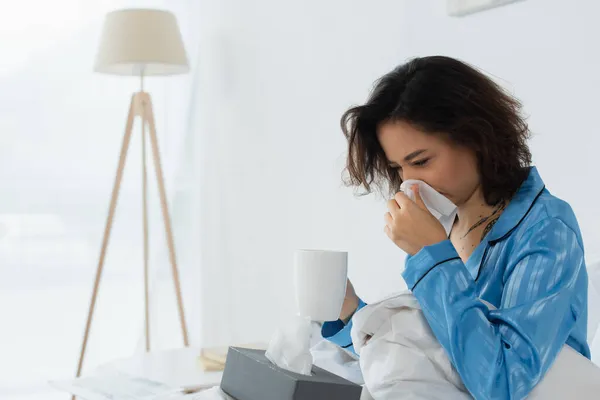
408 174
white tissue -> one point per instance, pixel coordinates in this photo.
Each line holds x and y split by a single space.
289 347
438 205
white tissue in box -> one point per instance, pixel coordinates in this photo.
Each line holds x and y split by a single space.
290 346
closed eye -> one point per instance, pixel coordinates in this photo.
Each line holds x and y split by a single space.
421 163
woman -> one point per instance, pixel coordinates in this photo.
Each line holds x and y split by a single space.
513 244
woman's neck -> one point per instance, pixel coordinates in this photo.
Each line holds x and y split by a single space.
472 211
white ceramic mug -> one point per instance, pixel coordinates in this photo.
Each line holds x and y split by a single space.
320 281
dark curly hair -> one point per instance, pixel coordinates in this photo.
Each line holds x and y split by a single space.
441 96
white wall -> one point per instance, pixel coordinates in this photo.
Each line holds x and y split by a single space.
274 78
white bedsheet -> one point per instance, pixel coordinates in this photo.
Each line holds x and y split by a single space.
403 360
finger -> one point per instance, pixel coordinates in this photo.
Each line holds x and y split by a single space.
393 206
418 198
388 218
388 231
402 200
350 288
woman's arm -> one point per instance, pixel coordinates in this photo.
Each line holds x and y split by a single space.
503 354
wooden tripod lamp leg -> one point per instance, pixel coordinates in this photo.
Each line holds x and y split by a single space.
107 229
149 118
146 253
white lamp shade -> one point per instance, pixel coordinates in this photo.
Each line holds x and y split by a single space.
139 41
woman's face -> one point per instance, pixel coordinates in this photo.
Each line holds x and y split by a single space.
448 168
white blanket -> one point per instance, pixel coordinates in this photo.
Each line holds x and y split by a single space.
400 358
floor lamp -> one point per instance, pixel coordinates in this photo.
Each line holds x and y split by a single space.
140 43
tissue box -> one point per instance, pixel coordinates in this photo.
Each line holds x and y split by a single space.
249 375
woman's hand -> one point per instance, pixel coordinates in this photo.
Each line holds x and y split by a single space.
350 303
410 225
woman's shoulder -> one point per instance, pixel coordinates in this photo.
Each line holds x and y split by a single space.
551 211
533 208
